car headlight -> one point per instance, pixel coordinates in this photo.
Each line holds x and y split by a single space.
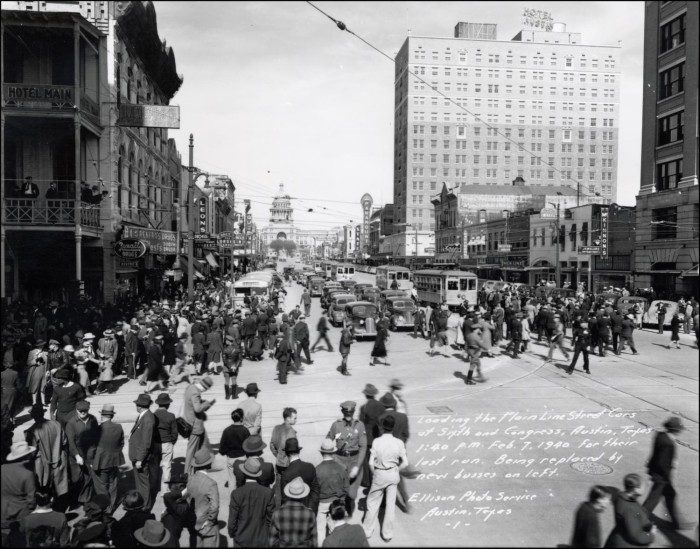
362 321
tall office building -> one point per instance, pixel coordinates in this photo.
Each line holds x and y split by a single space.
543 89
666 254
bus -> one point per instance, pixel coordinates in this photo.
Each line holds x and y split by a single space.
256 283
387 274
327 269
343 271
452 287
318 268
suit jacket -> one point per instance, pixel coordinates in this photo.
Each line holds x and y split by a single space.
632 524
205 495
370 412
250 513
194 408
17 488
301 332
267 478
400 426
110 446
142 437
167 428
661 461
307 472
83 438
249 326
252 418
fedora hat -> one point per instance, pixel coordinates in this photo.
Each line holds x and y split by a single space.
177 479
108 332
203 457
62 373
153 534
143 400
251 467
253 444
388 400
39 343
107 410
674 424
396 384
252 388
291 446
328 446
370 390
206 382
20 450
163 398
297 489
89 336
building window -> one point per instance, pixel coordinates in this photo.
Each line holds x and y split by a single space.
663 223
668 174
671 81
671 128
673 34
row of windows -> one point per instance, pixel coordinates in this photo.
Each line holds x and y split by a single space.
509 89
419 54
494 118
566 134
495 145
492 173
523 74
510 103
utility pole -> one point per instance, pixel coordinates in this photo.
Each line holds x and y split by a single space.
190 223
558 269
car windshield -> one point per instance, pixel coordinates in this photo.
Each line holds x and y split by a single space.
364 311
403 305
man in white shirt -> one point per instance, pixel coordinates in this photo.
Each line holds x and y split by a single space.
387 458
252 410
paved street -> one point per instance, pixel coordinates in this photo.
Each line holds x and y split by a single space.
520 449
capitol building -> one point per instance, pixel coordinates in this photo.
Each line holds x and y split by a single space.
282 226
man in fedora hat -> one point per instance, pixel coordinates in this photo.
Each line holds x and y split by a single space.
17 489
134 518
252 409
302 339
660 466
109 456
166 434
194 409
370 412
51 463
333 482
294 524
179 513
299 468
251 508
142 451
152 534
83 433
131 349
253 446
204 492
626 336
350 436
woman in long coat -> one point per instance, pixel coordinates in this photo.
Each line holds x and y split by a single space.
487 327
379 349
36 375
51 463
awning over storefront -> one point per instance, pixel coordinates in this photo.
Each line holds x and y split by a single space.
693 271
212 262
540 268
197 264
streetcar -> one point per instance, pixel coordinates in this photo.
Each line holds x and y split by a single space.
387 274
343 271
451 287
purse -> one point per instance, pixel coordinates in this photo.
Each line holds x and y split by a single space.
184 429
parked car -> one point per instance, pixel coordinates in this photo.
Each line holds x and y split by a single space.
370 294
625 304
316 284
336 309
560 293
651 315
401 311
612 297
386 294
360 288
361 315
348 284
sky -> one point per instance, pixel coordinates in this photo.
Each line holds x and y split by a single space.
275 93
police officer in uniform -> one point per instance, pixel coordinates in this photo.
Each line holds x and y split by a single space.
351 441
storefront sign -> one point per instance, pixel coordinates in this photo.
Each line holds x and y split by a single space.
604 232
513 264
130 248
548 213
504 247
127 264
158 241
589 250
62 94
149 116
202 222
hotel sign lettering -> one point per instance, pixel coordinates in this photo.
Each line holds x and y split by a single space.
63 94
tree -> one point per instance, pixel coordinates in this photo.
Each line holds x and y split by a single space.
279 244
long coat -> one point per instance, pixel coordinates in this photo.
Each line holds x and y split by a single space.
109 447
250 513
17 490
215 346
632 524
205 494
51 465
36 378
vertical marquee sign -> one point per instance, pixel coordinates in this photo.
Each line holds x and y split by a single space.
202 216
604 232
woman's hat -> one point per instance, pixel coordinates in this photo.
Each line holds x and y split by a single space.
297 489
153 534
20 450
251 467
253 444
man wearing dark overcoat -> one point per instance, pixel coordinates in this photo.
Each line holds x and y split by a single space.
142 451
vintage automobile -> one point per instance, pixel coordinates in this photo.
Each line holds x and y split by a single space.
612 297
316 286
401 311
560 293
336 310
386 294
360 288
361 315
348 284
327 296
650 316
370 294
625 304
